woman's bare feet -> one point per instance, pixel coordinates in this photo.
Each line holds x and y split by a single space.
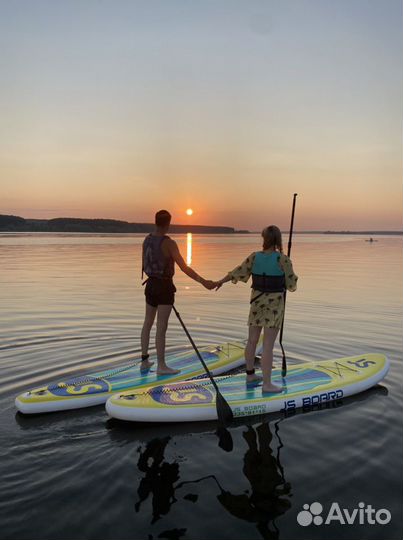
165 370
271 388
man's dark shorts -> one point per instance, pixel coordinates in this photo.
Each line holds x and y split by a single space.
160 292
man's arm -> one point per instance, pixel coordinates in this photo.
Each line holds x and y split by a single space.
173 249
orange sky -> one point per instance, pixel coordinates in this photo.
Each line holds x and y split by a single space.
118 113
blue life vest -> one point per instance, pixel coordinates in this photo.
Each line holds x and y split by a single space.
267 276
155 263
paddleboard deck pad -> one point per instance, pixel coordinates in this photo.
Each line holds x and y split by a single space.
95 388
305 385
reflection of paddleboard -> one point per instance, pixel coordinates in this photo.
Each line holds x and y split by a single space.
96 388
305 385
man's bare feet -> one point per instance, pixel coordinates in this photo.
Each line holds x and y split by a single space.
271 389
145 365
165 370
254 378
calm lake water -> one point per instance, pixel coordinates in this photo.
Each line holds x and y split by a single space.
72 303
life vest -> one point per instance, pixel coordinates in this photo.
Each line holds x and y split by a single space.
267 276
155 263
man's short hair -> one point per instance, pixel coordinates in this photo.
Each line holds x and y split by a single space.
162 218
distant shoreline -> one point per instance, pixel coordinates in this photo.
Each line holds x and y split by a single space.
81 225
365 233
112 226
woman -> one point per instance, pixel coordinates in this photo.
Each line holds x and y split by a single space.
272 274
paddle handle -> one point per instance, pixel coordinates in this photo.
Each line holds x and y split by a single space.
284 362
196 349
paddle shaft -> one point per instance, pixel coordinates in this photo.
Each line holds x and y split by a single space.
284 362
220 402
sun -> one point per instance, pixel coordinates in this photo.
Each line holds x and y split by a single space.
189 212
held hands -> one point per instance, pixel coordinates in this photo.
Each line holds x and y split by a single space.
210 285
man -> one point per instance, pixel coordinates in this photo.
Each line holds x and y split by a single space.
160 253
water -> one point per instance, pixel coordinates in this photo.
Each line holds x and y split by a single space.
72 303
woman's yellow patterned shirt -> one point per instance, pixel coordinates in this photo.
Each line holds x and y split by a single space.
268 309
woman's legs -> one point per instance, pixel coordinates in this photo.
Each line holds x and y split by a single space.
250 351
145 334
164 312
269 338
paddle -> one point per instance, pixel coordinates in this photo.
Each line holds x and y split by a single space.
224 412
284 363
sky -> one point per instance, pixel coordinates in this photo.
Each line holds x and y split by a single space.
117 108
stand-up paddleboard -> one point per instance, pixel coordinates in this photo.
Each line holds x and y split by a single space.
95 388
305 385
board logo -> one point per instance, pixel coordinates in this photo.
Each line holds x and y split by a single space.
362 363
363 515
77 387
182 396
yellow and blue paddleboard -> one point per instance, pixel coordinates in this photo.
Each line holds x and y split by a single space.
305 385
95 388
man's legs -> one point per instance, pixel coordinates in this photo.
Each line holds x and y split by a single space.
163 313
149 318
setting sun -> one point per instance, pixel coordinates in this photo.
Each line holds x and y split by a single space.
189 212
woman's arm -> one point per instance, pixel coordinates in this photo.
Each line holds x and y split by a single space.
240 273
290 277
221 281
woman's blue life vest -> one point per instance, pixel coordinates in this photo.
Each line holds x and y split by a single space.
155 263
267 276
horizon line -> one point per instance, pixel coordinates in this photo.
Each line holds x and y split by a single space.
305 231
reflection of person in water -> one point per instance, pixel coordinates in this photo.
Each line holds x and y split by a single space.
159 478
268 499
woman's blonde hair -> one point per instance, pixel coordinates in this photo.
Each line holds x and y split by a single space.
272 238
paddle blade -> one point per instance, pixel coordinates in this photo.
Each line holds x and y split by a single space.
224 412
224 439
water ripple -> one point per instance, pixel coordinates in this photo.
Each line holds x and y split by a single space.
73 303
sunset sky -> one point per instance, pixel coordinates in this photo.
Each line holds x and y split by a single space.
116 108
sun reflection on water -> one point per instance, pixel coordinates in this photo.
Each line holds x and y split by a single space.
189 249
